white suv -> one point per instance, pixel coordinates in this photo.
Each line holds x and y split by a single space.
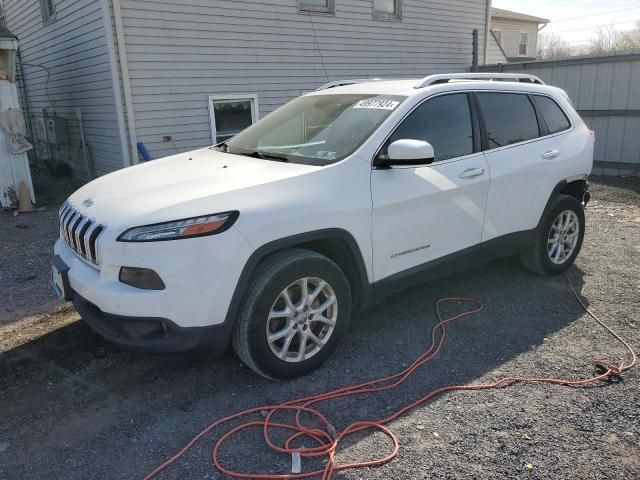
339 198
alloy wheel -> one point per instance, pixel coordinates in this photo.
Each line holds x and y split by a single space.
302 319
563 237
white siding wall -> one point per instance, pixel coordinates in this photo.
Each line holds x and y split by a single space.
494 52
73 50
182 51
511 36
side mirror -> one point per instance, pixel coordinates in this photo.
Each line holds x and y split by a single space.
410 152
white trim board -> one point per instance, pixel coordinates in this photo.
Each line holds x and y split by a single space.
115 78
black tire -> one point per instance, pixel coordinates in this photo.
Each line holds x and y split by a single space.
273 275
536 258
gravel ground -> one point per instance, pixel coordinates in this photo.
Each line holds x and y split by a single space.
74 407
25 250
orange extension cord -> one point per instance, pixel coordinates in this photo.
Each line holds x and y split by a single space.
328 439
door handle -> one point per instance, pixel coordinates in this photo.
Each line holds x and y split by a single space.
472 172
550 154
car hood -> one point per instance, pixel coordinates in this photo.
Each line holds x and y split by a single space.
185 185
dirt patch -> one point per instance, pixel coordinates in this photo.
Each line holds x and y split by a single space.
76 407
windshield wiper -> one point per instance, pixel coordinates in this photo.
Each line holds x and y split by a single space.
224 147
266 156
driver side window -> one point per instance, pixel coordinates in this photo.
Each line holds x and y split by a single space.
444 122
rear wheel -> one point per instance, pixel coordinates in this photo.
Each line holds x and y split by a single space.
559 237
294 315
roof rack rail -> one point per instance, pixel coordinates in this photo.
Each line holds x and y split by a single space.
342 83
509 77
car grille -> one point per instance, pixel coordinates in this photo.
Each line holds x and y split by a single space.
80 232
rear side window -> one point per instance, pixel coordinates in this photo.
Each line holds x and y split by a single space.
553 115
444 122
509 118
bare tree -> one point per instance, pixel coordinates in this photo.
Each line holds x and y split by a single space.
631 38
608 39
604 40
552 46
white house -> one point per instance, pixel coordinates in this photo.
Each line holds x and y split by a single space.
177 75
515 34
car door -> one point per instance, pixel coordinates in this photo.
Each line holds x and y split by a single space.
423 213
521 160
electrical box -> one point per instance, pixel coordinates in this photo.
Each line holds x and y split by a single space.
57 132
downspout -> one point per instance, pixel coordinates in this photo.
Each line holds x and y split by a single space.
487 29
126 84
115 79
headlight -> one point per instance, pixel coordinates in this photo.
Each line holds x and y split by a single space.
178 229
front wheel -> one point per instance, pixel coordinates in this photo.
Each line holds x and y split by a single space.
294 315
559 237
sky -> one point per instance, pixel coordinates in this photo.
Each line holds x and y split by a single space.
563 15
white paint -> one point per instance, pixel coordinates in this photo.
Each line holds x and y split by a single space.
521 169
426 205
410 149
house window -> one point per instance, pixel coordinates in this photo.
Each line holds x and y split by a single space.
385 9
230 114
498 35
524 42
317 6
48 8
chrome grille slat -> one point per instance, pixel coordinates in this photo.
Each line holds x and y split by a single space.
81 235
72 231
80 232
67 228
63 222
63 210
87 243
93 243
65 206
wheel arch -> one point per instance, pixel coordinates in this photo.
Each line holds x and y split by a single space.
576 187
334 243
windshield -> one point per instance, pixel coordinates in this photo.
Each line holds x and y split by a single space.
315 129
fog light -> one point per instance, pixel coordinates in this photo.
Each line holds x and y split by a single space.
143 278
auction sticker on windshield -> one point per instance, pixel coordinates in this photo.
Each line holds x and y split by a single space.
377 103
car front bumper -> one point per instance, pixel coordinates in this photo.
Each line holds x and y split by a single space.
152 334
200 275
